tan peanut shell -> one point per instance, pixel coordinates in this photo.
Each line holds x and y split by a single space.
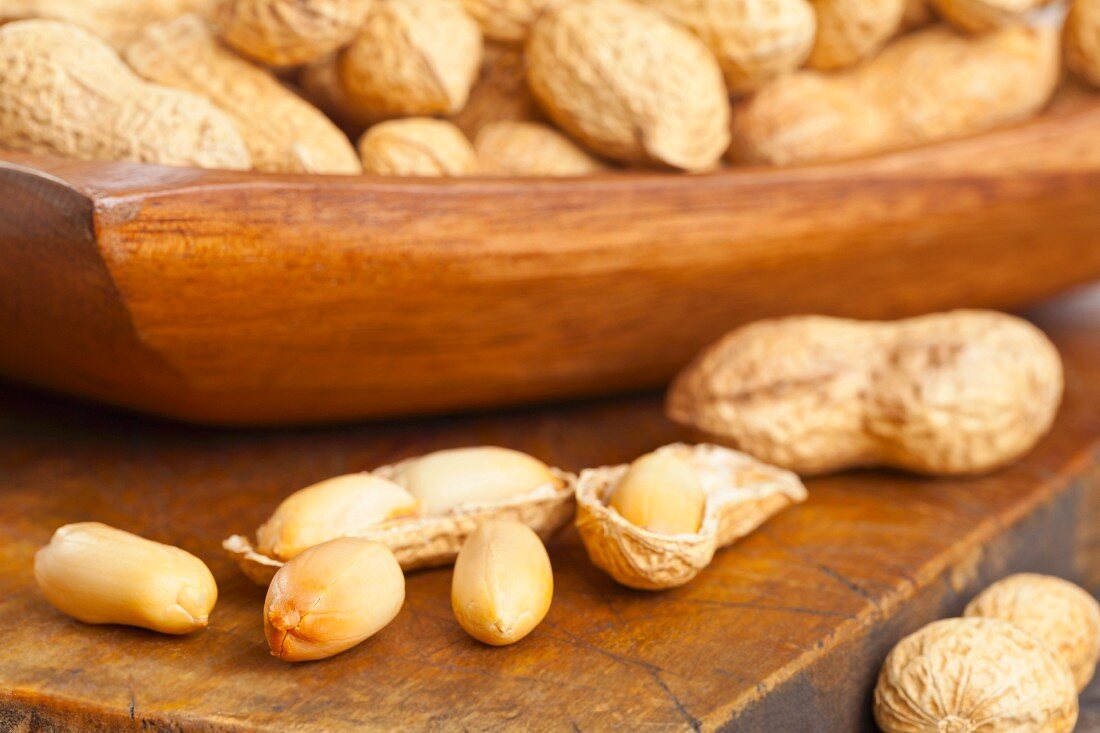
417 146
115 21
500 93
629 84
953 393
974 674
982 16
428 540
531 149
505 21
849 31
932 85
1082 40
411 57
288 32
330 598
284 133
102 575
742 493
1060 613
65 92
753 41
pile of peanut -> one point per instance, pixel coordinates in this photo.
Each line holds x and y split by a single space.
524 87
959 393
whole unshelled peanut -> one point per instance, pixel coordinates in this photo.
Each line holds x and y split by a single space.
417 146
64 91
849 31
411 57
974 674
662 493
1082 40
505 21
447 479
531 149
753 41
115 21
503 583
102 575
1060 613
629 83
330 598
284 133
982 16
954 393
329 509
932 85
288 32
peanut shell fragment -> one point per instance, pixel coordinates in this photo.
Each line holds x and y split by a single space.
741 494
454 491
1060 613
963 392
974 674
629 84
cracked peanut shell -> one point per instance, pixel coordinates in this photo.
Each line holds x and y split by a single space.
500 484
65 92
629 84
962 392
288 32
741 494
1060 613
974 674
283 132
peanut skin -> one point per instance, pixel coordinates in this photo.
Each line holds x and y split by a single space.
963 392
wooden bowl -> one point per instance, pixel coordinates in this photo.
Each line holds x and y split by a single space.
237 298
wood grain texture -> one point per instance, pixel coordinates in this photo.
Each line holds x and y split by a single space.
245 298
783 632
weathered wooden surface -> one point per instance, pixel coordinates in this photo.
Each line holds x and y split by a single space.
784 632
246 298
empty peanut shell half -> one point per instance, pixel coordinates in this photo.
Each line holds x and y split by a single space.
423 508
740 493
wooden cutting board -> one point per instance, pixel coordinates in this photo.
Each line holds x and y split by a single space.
784 632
